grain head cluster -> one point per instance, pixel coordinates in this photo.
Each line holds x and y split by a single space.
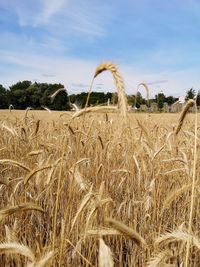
99 187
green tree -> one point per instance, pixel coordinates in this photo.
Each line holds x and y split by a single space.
198 98
139 100
96 98
17 95
25 94
160 99
3 97
61 100
190 94
170 100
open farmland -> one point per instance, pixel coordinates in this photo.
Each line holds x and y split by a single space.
94 190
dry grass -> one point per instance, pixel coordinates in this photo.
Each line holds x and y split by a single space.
61 179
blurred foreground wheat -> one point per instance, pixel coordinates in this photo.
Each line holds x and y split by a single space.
98 192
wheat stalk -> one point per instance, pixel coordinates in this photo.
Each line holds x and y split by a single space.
17 248
122 100
22 207
176 193
147 91
193 185
125 230
56 93
15 163
189 104
178 236
33 172
93 109
47 109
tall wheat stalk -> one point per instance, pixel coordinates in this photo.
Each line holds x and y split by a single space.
189 104
147 91
122 100
193 187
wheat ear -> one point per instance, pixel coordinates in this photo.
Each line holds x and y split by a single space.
21 207
122 100
17 248
126 230
159 259
176 193
178 236
15 163
189 104
43 262
93 109
56 93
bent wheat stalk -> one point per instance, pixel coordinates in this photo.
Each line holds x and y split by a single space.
126 230
147 91
189 104
17 248
15 163
56 93
122 100
178 236
93 109
176 193
22 207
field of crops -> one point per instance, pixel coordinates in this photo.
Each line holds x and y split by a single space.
95 190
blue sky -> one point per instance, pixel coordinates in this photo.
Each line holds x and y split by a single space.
152 41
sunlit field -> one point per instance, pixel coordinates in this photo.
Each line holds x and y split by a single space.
96 191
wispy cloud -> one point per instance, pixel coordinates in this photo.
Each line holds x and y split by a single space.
35 13
150 41
88 18
50 8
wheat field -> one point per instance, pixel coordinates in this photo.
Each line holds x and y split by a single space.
95 191
99 187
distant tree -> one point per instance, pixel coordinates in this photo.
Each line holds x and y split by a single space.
108 96
139 100
96 98
3 97
198 98
61 100
190 94
170 100
25 94
34 95
160 99
17 95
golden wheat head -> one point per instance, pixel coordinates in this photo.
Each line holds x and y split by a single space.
189 104
122 100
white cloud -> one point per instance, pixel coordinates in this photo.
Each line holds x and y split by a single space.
63 17
49 9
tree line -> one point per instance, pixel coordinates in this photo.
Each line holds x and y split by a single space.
25 94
